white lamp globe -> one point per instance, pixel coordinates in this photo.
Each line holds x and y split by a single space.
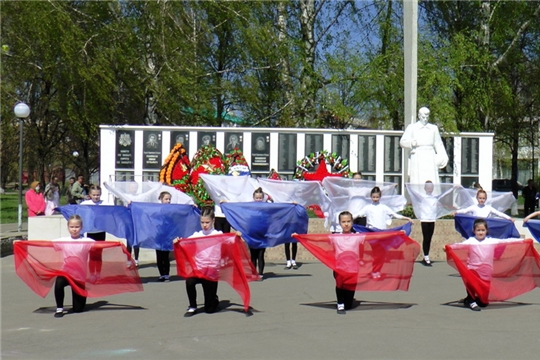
21 110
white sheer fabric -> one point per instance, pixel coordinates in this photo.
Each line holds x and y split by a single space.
304 193
147 191
442 201
501 201
230 188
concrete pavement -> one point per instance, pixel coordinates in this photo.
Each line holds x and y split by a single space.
294 317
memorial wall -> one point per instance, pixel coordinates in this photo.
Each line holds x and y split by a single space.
139 151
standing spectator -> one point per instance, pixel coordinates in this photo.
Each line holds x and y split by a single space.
69 197
34 200
52 196
77 190
529 194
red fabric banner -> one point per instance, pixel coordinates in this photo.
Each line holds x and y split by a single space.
496 272
378 261
222 257
92 268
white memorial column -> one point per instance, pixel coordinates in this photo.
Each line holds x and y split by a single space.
410 45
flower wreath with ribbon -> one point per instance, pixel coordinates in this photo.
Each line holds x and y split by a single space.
237 163
176 169
208 160
306 168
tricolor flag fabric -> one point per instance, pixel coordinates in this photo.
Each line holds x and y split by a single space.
38 263
534 228
496 271
222 257
378 261
265 225
156 225
497 228
115 220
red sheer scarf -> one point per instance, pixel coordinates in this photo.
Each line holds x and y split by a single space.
38 263
510 269
222 257
379 261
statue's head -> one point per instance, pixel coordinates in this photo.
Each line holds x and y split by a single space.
423 115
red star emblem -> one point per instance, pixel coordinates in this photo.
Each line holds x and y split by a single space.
321 172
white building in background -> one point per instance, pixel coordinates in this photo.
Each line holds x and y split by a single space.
138 152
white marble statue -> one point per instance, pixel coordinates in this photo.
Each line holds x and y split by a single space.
428 154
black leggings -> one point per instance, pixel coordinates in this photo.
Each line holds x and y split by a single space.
344 296
288 250
135 251
257 256
79 301
95 263
163 262
211 300
222 225
427 231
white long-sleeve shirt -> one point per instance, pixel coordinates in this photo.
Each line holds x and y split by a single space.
378 215
483 211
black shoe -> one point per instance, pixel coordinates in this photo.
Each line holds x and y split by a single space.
474 306
190 312
295 266
161 279
59 314
426 263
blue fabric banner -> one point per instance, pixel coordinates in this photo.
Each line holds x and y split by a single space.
534 228
407 227
265 225
115 220
497 228
156 225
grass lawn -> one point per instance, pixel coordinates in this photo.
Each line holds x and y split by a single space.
9 207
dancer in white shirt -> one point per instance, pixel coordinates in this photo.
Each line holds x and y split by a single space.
482 210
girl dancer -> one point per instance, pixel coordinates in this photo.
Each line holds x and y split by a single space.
205 259
483 210
257 255
345 297
377 215
162 256
74 264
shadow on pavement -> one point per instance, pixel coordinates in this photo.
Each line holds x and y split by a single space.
493 306
98 305
359 305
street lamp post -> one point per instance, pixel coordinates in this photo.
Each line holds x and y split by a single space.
22 111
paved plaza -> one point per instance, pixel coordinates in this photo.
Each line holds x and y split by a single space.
294 317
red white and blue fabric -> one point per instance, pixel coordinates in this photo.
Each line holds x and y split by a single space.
509 268
38 263
497 228
377 261
222 257
265 225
